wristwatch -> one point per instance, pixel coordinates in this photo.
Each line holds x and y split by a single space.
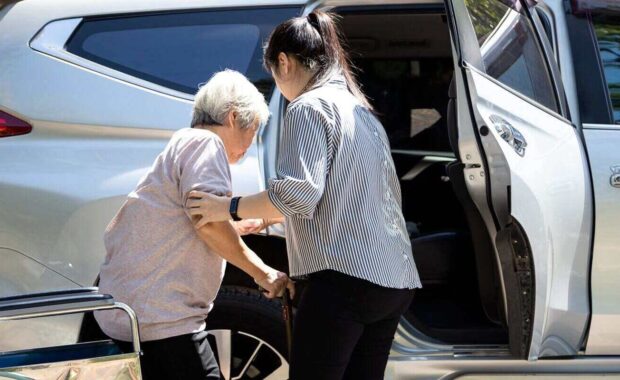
234 205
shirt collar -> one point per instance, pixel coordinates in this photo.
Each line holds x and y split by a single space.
337 80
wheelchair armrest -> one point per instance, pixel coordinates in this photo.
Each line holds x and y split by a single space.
64 302
92 289
59 303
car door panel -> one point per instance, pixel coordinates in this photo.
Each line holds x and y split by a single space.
536 176
604 334
588 33
550 199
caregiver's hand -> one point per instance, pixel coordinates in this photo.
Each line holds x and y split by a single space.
209 207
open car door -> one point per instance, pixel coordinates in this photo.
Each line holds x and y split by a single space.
526 171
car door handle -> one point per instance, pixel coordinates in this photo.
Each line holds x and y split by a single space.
510 134
615 176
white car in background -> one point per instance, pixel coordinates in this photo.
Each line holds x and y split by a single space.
512 196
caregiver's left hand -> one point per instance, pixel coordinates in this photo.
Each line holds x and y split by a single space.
209 207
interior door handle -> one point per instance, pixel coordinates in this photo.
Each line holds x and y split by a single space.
510 134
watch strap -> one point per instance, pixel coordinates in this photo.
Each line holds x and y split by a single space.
234 205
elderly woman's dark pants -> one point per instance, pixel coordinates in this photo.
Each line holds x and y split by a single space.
187 357
344 328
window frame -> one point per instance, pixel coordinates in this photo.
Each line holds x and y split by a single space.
471 58
550 58
115 73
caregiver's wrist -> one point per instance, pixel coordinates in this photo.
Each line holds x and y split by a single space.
233 208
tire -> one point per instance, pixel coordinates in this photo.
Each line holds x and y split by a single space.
253 321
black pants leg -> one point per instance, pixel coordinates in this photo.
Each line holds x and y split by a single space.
344 328
371 352
181 357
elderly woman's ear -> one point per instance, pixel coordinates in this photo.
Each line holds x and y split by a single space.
231 118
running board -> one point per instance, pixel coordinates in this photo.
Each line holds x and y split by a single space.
449 367
411 342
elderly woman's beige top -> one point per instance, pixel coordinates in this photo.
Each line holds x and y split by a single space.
155 262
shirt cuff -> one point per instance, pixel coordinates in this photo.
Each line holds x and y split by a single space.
277 202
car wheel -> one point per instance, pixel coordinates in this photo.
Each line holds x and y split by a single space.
247 334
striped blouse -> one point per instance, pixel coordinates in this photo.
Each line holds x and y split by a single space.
338 188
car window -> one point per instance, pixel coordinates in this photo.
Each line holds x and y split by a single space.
604 17
182 50
594 33
608 36
510 50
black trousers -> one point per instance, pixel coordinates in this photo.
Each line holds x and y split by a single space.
179 357
344 328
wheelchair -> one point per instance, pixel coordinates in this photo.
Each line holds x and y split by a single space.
101 360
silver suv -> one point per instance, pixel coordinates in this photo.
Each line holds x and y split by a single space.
503 121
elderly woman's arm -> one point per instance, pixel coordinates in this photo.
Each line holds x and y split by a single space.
302 172
256 206
222 239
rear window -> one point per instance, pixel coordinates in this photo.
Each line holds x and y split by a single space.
595 38
510 49
182 50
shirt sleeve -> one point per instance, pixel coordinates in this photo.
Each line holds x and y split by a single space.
203 166
302 162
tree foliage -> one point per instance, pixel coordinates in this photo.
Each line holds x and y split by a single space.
485 15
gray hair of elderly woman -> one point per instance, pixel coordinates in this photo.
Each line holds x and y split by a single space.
228 91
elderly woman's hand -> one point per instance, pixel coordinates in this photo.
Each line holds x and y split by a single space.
249 226
208 207
274 283
254 226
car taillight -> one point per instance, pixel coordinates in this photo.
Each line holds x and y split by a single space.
12 126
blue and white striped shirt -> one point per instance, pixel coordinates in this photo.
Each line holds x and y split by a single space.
338 188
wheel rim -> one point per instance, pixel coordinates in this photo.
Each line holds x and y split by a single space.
244 356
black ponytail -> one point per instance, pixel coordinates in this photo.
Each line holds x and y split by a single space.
315 41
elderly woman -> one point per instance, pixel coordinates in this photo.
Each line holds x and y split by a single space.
157 262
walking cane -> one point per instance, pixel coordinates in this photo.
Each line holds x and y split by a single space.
287 315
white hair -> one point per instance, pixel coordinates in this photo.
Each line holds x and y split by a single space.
228 91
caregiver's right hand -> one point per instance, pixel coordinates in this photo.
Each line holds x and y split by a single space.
209 207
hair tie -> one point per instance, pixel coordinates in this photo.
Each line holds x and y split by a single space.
313 20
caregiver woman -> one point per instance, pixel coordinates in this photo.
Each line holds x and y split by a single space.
338 190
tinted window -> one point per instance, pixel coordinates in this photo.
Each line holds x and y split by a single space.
608 36
594 31
182 50
604 17
510 50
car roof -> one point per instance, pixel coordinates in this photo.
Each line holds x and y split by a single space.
25 18
340 3
79 8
